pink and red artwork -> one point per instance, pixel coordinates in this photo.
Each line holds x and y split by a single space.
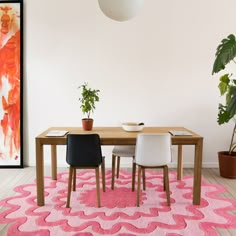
11 84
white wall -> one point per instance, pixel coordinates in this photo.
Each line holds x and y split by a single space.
155 68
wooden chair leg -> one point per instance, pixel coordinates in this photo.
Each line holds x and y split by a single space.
139 180
166 180
103 176
133 175
98 186
118 167
164 185
113 171
74 179
69 187
144 179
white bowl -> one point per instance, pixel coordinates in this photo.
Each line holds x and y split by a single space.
132 127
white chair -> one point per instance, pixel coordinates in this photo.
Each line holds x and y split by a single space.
153 151
121 151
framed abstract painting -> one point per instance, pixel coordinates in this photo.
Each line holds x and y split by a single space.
11 84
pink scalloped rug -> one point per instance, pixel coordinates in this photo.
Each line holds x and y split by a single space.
118 215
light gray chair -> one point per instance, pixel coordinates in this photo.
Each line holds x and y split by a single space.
127 151
153 151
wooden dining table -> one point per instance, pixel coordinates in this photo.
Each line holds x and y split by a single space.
117 136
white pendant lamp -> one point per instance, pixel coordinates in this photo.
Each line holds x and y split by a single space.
120 10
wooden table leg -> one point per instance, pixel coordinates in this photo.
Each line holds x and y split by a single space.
197 173
180 163
113 171
54 161
39 173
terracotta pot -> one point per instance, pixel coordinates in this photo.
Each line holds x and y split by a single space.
227 164
87 124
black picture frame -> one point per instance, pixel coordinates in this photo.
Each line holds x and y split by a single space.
11 84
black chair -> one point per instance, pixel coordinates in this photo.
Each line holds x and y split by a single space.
84 152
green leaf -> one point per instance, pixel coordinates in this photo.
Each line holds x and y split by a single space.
223 115
225 53
225 79
224 83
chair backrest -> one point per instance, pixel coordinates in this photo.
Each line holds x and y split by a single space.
83 150
153 149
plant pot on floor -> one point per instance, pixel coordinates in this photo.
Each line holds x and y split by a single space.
227 164
87 124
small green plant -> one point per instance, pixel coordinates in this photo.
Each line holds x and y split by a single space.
88 98
225 53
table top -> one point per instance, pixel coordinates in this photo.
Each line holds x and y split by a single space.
117 136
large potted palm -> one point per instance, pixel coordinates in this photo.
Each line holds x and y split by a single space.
225 53
88 98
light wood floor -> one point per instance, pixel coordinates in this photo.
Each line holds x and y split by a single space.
13 177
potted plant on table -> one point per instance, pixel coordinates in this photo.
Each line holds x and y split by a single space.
88 98
225 53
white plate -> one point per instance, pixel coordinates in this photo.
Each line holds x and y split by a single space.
132 127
